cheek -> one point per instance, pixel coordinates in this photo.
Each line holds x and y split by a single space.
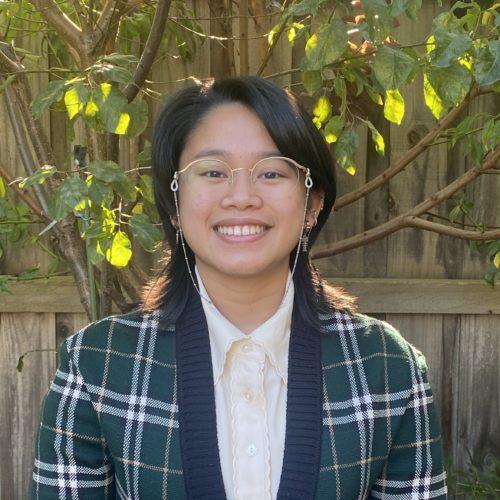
195 209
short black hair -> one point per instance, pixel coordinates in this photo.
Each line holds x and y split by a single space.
292 130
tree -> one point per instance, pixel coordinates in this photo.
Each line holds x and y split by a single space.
94 208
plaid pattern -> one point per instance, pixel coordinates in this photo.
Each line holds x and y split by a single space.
110 420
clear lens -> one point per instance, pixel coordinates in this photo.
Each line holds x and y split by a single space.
276 171
209 170
269 174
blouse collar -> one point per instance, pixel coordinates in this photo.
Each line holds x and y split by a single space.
273 335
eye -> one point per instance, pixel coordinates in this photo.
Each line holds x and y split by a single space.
271 175
215 174
210 169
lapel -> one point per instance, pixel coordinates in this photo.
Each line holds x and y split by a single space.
197 418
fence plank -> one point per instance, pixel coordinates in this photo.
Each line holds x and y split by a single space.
476 422
376 295
21 394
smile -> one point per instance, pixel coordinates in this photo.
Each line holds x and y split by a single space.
240 230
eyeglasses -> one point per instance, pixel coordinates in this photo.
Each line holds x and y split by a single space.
273 175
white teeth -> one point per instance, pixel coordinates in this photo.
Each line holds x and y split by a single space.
240 230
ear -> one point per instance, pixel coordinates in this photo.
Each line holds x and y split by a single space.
317 197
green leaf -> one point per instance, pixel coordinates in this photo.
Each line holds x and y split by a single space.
3 189
120 59
113 73
345 149
99 191
322 111
66 197
138 113
333 128
146 187
106 171
491 134
450 84
449 47
38 177
463 128
471 147
312 81
377 138
120 252
454 213
111 103
51 93
394 106
340 89
305 7
147 234
110 172
487 65
326 46
392 67
379 18
433 101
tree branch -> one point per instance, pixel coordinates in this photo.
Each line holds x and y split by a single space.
107 25
409 216
451 231
276 37
60 22
409 156
150 49
23 195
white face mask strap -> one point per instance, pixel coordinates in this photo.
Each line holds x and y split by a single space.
174 186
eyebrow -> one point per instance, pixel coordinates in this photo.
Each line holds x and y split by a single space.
219 152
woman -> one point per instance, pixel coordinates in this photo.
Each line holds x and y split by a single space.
243 375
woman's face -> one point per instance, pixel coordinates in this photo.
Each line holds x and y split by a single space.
233 133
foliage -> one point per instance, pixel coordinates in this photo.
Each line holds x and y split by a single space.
477 483
352 64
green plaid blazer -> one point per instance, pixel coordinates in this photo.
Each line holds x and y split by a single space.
130 413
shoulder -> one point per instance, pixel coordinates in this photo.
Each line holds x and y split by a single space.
361 336
116 341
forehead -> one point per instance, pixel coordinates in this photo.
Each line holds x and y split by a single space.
229 130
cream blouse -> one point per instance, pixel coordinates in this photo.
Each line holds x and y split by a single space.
250 383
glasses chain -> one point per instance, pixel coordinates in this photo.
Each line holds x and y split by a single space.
174 186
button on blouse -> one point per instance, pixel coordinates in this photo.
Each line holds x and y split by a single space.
250 384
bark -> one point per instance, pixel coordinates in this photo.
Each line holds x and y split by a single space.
411 217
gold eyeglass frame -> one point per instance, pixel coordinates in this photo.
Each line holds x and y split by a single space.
174 185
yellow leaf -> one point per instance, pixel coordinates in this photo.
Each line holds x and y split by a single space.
91 108
80 206
123 124
394 106
137 209
105 90
72 102
322 110
119 253
434 103
351 169
496 260
2 188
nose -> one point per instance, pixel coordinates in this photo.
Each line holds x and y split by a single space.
241 192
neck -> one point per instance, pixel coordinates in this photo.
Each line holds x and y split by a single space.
246 301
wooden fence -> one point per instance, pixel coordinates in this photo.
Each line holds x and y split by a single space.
456 323
428 286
